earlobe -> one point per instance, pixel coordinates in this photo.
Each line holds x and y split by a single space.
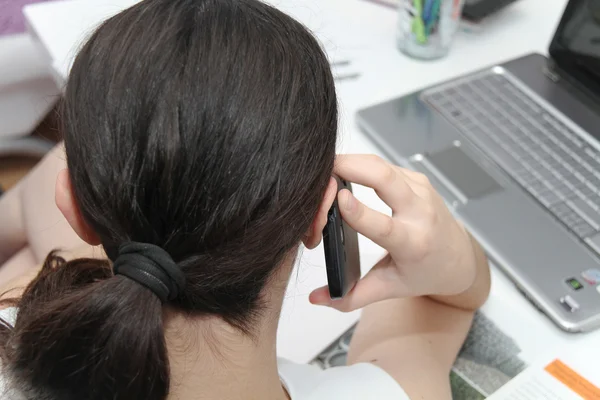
313 237
65 201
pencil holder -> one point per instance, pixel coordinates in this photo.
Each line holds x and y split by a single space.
426 27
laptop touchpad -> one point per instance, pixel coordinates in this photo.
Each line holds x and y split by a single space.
459 170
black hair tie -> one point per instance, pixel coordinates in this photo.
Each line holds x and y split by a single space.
152 267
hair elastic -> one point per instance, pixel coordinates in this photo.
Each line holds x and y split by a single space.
152 267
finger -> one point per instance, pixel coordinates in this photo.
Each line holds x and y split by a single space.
363 294
419 184
376 286
421 191
414 176
374 172
320 296
378 227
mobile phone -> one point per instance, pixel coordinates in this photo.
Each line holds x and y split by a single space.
342 257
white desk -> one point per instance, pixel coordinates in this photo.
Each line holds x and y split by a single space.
525 27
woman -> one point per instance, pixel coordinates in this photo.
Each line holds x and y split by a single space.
200 141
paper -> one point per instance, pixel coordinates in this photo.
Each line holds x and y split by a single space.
555 381
489 359
493 364
341 38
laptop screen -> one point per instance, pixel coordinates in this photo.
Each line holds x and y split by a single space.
576 44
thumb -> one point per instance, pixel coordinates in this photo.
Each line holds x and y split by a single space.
376 286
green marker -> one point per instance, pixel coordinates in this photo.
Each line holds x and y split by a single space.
418 26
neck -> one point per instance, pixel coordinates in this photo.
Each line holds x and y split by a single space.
209 359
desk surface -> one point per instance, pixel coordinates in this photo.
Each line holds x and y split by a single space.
365 33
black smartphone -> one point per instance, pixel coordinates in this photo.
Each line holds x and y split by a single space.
342 257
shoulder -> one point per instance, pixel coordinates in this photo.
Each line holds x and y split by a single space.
360 381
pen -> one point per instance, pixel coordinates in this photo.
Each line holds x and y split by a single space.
435 12
427 11
456 14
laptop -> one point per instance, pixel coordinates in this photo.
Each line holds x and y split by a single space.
515 151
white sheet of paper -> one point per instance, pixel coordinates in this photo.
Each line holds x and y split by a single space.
571 376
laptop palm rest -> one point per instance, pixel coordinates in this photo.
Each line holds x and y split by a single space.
461 178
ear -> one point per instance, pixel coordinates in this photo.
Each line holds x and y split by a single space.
313 237
65 201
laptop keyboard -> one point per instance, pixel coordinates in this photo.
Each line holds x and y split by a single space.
552 162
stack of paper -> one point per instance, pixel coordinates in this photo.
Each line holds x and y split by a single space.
572 376
341 38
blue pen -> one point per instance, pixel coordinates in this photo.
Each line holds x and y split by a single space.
435 11
427 11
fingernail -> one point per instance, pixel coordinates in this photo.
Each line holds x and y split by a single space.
350 202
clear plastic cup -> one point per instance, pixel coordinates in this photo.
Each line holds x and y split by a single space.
426 27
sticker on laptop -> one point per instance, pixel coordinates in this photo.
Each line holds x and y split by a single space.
591 276
574 284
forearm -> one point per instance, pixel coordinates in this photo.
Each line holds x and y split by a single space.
477 294
415 340
46 227
12 227
15 284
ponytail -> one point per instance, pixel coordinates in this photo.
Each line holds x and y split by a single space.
83 333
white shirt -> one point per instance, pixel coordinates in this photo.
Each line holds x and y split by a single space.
309 382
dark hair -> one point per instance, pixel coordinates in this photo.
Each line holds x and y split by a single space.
206 127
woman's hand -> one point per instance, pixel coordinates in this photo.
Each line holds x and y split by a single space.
429 251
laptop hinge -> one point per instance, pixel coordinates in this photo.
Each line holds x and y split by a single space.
573 85
551 72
